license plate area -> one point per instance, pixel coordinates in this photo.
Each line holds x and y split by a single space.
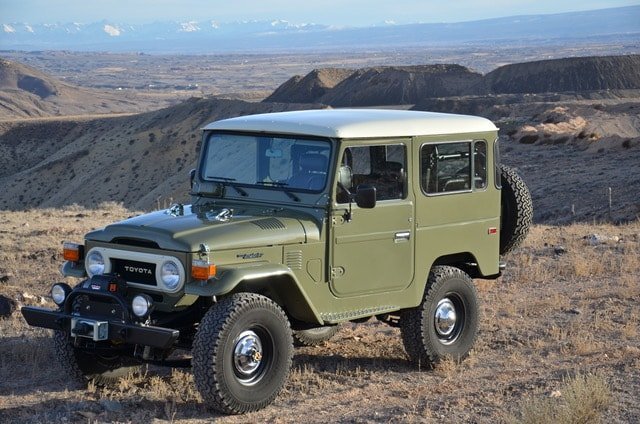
91 329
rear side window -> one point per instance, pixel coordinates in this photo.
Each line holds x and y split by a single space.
496 161
453 167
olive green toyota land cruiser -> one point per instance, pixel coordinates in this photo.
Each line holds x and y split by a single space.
299 221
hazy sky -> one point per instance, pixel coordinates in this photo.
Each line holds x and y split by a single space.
332 12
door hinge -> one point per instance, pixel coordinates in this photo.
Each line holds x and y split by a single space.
337 220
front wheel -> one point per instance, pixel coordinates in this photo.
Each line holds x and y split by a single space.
446 322
242 353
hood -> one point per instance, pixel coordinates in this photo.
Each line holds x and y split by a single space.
184 228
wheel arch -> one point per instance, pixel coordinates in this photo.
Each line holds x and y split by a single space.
466 261
274 281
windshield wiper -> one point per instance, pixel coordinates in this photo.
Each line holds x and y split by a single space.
279 184
272 183
219 178
237 188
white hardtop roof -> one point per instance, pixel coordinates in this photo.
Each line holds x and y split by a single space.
356 123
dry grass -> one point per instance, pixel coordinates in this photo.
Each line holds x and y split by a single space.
555 312
581 400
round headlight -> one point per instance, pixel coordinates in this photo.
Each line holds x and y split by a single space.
94 263
59 293
170 275
141 305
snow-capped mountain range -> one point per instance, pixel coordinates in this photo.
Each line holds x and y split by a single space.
105 28
212 36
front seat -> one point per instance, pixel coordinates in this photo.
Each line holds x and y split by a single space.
312 172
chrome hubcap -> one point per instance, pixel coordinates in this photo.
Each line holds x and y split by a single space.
247 354
445 318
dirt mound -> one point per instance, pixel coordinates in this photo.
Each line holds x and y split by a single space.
393 85
398 85
311 87
563 75
142 160
401 85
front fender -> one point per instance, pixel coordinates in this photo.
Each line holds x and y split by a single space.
275 280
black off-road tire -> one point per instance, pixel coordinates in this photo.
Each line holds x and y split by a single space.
423 342
229 374
516 213
82 366
314 336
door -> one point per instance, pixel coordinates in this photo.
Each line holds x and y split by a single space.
372 249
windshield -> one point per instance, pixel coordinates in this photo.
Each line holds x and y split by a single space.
267 161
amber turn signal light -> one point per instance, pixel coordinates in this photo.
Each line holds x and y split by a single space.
202 270
71 252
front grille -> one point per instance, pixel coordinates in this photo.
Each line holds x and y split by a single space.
134 271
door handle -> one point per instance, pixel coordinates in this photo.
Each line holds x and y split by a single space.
403 236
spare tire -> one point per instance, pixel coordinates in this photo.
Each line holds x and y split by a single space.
516 211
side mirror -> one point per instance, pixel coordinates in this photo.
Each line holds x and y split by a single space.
366 196
192 176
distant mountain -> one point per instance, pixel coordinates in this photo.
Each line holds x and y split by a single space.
201 36
153 36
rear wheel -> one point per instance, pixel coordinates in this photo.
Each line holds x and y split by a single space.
242 353
445 324
83 365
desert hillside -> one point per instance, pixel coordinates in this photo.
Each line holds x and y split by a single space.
575 74
389 85
140 160
310 88
26 92
401 85
143 160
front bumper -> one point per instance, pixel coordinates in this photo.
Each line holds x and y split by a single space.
117 331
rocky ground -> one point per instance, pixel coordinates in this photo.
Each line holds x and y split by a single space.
562 320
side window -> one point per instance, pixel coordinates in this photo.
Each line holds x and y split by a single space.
453 167
381 166
480 164
446 167
496 161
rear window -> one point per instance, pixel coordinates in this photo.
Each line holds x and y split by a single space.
453 167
